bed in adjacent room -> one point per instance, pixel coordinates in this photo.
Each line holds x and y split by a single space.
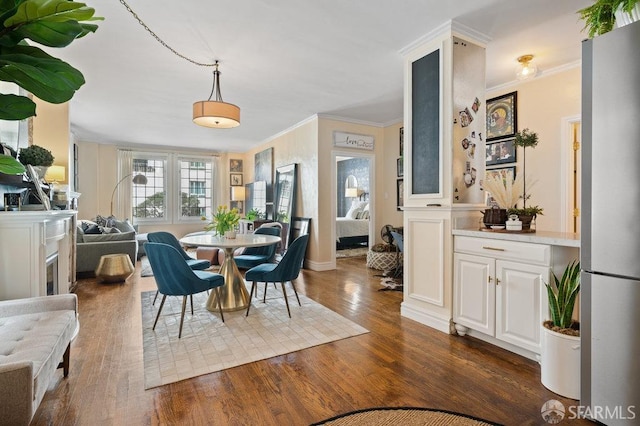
353 228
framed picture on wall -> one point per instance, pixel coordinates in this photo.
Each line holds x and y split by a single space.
503 172
500 152
401 141
400 167
236 179
235 166
400 193
502 116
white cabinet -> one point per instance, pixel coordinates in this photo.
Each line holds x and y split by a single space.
499 289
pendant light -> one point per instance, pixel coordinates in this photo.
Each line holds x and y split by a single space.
216 113
526 69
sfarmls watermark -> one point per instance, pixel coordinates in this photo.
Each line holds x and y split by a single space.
554 411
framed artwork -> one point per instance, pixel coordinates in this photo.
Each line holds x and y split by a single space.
238 205
502 116
236 179
263 171
500 152
400 166
33 176
504 172
235 166
400 193
401 141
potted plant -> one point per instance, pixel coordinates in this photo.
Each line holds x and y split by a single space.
505 193
526 215
560 355
603 15
223 222
28 66
254 214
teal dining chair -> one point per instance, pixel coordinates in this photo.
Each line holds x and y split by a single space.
254 256
170 239
287 270
175 278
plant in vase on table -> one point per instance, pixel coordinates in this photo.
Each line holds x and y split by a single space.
40 158
223 222
560 356
505 193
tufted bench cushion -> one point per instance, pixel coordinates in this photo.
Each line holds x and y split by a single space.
35 336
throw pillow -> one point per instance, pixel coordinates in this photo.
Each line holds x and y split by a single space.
123 225
79 233
92 229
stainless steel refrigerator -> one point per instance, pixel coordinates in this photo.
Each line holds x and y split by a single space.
610 230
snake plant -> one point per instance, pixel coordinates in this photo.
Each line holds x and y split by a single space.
562 296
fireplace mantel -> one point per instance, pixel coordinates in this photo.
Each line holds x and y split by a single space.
27 240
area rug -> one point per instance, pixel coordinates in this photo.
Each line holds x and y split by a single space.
405 416
354 252
145 267
208 345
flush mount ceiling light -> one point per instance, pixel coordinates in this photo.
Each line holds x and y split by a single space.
526 69
216 113
209 113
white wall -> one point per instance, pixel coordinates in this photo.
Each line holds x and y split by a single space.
542 104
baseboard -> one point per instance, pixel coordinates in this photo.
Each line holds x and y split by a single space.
504 345
320 266
440 324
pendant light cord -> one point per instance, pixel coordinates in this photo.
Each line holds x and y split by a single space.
159 40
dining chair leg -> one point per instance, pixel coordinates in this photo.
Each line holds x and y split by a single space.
184 307
296 292
164 297
251 294
154 299
220 303
286 301
191 296
264 296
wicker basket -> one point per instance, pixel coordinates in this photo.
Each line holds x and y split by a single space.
383 261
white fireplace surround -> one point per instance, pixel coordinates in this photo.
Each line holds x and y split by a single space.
27 240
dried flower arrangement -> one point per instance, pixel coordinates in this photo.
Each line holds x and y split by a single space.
506 192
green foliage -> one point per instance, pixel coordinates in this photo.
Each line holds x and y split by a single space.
254 214
52 23
562 296
36 156
526 211
152 206
223 220
599 18
10 166
526 138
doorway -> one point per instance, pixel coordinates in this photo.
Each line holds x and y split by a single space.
353 202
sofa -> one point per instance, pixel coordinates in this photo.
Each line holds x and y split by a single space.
35 340
93 241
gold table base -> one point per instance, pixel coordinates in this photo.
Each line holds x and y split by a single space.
114 268
233 293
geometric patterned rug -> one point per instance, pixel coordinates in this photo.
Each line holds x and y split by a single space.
208 345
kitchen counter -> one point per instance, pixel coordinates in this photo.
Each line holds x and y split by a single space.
539 237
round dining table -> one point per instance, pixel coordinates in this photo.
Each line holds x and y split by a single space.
233 294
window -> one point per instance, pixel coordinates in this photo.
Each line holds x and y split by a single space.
177 189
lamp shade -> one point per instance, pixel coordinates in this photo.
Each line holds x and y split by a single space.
56 174
219 115
237 193
351 192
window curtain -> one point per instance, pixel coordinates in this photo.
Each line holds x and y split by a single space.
122 208
218 185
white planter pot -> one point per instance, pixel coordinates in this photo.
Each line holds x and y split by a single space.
230 234
560 363
623 18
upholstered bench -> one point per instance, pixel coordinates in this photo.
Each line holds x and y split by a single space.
35 339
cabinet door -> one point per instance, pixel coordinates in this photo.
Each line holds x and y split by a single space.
519 303
474 292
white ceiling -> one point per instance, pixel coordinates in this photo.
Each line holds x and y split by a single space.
282 61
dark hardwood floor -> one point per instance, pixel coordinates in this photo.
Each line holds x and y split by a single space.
399 363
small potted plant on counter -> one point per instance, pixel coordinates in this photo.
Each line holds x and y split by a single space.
526 215
560 357
505 193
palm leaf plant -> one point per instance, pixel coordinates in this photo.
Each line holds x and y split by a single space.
562 296
50 23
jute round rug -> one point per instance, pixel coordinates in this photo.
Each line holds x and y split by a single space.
405 416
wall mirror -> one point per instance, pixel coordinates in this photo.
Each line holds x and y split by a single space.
285 197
